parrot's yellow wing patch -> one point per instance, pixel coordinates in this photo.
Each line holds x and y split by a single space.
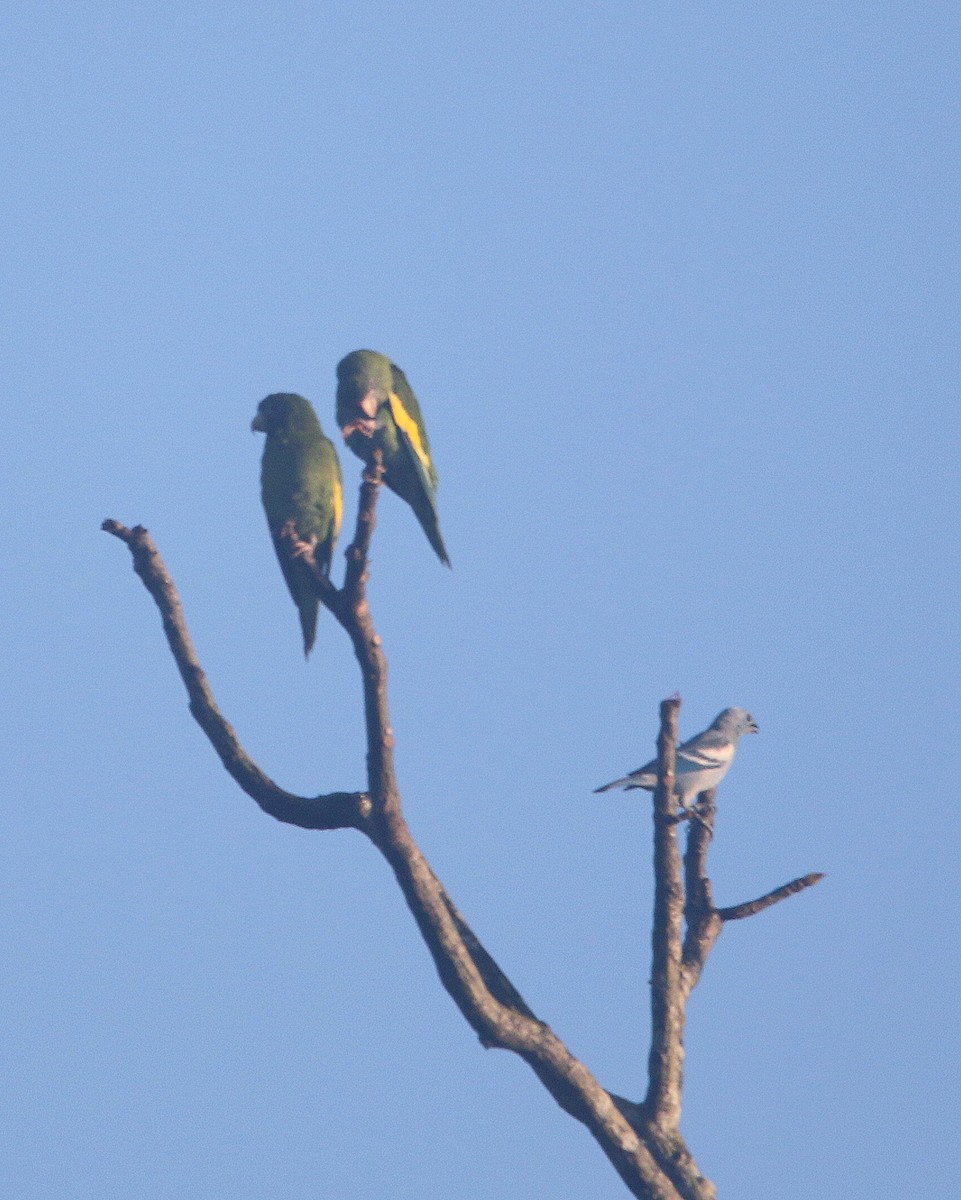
338 507
406 422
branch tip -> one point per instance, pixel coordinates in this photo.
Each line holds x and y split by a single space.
737 912
116 529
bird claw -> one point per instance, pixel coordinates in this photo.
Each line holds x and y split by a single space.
701 813
296 546
362 425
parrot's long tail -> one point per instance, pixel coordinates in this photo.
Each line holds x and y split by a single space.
418 491
426 512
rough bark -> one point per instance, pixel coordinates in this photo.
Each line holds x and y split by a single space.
642 1140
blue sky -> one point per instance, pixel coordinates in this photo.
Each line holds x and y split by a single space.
677 292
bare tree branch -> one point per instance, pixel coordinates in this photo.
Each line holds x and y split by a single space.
666 1061
677 964
703 924
737 911
338 810
642 1140
481 990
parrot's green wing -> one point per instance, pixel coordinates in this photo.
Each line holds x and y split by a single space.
410 422
306 495
302 493
411 472
377 409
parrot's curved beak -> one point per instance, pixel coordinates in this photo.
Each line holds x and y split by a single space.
369 404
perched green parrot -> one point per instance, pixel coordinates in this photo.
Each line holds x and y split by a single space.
376 408
301 487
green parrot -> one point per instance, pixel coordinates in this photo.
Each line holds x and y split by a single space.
300 486
376 408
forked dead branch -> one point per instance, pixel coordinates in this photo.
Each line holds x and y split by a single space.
642 1139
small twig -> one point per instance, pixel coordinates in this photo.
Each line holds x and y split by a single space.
737 911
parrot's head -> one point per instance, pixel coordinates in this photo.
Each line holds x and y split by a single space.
282 411
364 381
